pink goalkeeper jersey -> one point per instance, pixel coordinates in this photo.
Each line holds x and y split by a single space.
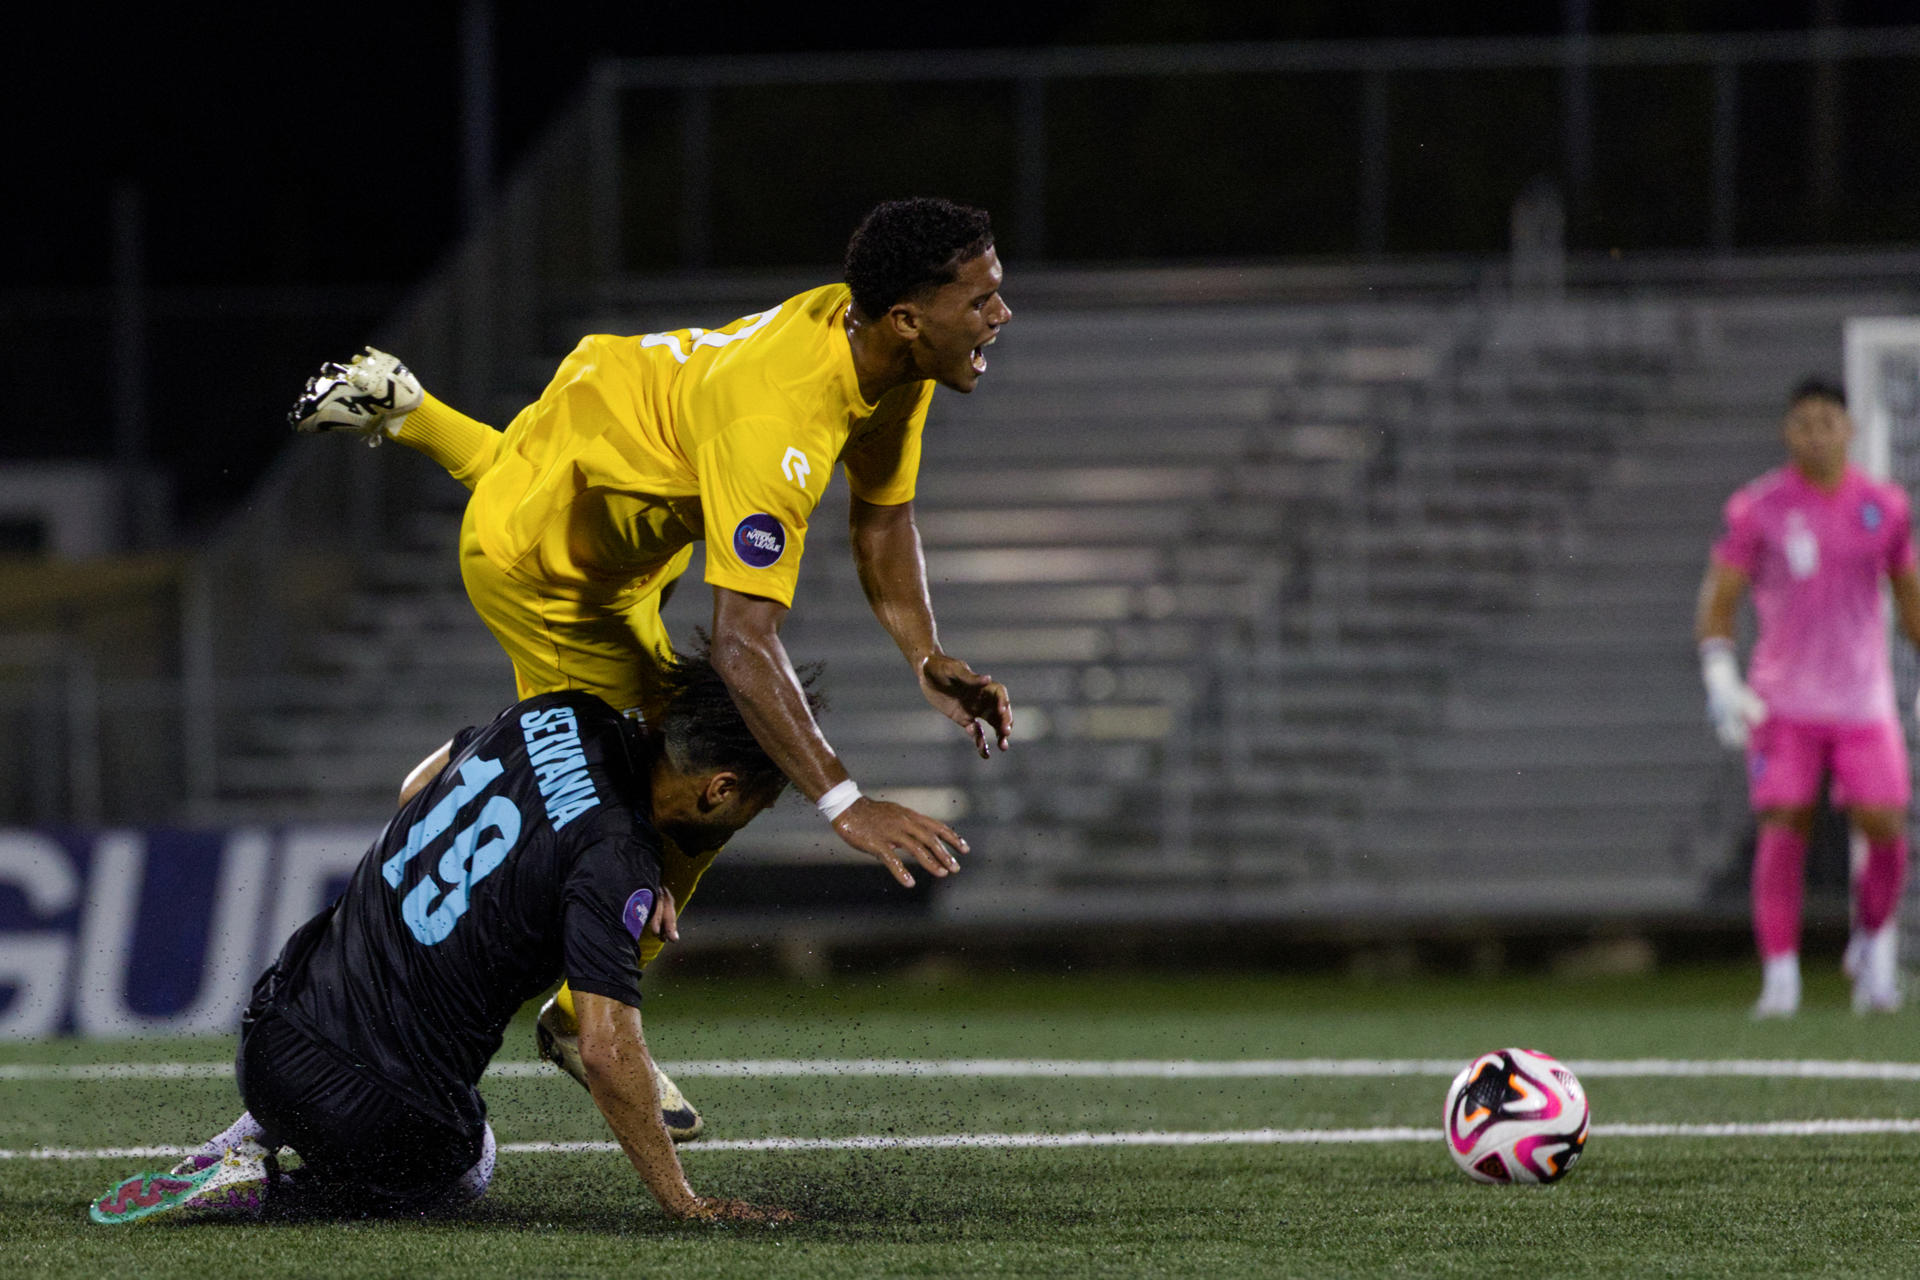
1816 561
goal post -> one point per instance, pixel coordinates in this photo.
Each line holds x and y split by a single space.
1883 398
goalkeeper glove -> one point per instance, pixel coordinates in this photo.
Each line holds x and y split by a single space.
1733 708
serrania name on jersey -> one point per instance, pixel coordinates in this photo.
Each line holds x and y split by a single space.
553 749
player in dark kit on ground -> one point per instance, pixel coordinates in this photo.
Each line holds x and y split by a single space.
525 851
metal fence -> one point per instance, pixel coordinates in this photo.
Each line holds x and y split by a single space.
1708 142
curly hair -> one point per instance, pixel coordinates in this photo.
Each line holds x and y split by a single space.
905 246
702 731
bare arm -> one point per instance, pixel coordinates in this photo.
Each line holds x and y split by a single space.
1720 595
426 771
749 656
613 1054
893 573
1906 604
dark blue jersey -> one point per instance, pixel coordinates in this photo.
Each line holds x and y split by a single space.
531 857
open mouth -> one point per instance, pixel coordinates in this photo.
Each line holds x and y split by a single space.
978 358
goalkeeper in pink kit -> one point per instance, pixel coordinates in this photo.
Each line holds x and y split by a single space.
1814 540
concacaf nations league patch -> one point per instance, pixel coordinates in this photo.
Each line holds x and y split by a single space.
639 908
759 540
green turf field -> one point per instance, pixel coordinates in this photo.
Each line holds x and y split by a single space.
1772 1205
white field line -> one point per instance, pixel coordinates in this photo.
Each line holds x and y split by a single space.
1229 1137
1257 1069
1067 1069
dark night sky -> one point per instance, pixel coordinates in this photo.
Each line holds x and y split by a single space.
310 145
318 144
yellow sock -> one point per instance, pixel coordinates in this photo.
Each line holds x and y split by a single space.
465 446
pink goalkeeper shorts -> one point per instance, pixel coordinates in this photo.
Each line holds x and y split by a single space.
1787 758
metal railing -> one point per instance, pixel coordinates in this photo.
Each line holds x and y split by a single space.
1029 81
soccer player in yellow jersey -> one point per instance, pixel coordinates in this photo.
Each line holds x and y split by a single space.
584 510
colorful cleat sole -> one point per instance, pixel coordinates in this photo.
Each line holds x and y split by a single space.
143 1195
235 1185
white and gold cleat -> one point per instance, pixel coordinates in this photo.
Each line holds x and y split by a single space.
557 1037
368 396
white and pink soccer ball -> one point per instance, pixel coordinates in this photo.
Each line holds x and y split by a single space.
1516 1115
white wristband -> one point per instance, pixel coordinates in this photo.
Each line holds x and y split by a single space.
838 800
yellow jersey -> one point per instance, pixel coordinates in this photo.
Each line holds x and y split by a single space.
641 445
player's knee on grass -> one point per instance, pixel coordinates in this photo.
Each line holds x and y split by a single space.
362 1150
408 1168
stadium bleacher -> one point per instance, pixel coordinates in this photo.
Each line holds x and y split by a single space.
1298 602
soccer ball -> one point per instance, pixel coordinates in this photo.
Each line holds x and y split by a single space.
1516 1115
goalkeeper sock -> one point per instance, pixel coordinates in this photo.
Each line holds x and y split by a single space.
465 446
1779 861
1877 891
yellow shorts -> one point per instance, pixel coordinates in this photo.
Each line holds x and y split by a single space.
557 644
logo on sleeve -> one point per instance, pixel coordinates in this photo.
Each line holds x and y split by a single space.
638 911
1870 516
795 467
759 540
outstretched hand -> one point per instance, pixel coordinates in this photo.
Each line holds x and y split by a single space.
973 700
885 830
